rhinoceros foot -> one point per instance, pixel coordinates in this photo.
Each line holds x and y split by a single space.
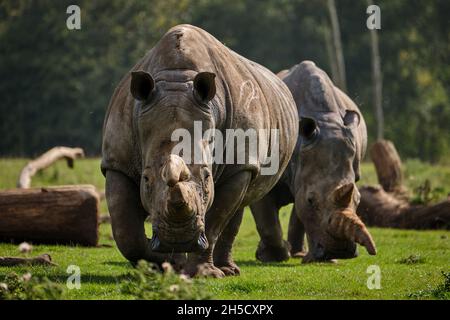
266 253
203 270
229 268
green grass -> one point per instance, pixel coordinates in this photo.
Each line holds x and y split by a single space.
411 262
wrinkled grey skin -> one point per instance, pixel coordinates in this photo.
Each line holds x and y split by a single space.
320 177
195 208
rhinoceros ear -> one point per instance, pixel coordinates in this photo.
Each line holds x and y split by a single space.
141 85
205 86
351 118
307 127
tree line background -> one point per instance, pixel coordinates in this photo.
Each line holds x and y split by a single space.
56 83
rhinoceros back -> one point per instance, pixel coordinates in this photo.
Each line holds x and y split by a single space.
315 95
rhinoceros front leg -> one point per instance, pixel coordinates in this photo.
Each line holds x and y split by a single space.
222 252
296 235
271 247
228 199
127 221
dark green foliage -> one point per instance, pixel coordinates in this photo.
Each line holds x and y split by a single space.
441 291
412 259
147 282
55 83
425 194
27 287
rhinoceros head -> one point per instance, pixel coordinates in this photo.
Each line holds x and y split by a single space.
328 194
175 192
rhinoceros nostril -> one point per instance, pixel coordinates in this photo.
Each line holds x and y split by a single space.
146 174
172 182
206 173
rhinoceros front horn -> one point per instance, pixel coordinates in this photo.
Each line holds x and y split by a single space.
344 223
174 170
181 199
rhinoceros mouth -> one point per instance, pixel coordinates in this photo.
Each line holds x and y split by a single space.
326 250
196 244
345 250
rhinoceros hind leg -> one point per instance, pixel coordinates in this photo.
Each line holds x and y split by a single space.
267 253
222 251
271 247
127 221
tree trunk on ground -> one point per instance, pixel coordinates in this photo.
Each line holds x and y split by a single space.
337 43
381 209
44 259
63 215
46 160
388 206
377 81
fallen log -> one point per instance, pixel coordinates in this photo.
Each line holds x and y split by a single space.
388 205
62 215
42 260
46 160
379 208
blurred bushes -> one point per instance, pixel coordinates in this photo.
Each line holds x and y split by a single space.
56 83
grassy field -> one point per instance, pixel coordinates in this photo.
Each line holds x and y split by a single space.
411 262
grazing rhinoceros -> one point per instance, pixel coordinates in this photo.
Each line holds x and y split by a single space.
320 178
188 77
